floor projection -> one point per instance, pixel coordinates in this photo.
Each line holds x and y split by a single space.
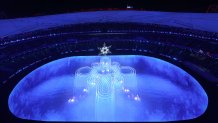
108 88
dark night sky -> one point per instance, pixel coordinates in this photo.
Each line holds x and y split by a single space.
24 8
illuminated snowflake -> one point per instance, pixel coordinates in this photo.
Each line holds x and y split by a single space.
104 50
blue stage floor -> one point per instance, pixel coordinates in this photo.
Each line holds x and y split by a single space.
158 91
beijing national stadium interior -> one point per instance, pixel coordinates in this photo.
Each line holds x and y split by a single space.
108 61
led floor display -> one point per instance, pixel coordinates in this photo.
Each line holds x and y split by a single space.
108 88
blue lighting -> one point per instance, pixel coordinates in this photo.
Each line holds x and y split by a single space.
108 88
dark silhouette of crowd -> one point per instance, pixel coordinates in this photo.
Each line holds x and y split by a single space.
22 51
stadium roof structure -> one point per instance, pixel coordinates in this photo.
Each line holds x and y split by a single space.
199 21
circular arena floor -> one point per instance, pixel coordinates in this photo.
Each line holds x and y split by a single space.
156 91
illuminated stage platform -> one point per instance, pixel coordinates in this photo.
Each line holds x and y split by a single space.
173 79
154 91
